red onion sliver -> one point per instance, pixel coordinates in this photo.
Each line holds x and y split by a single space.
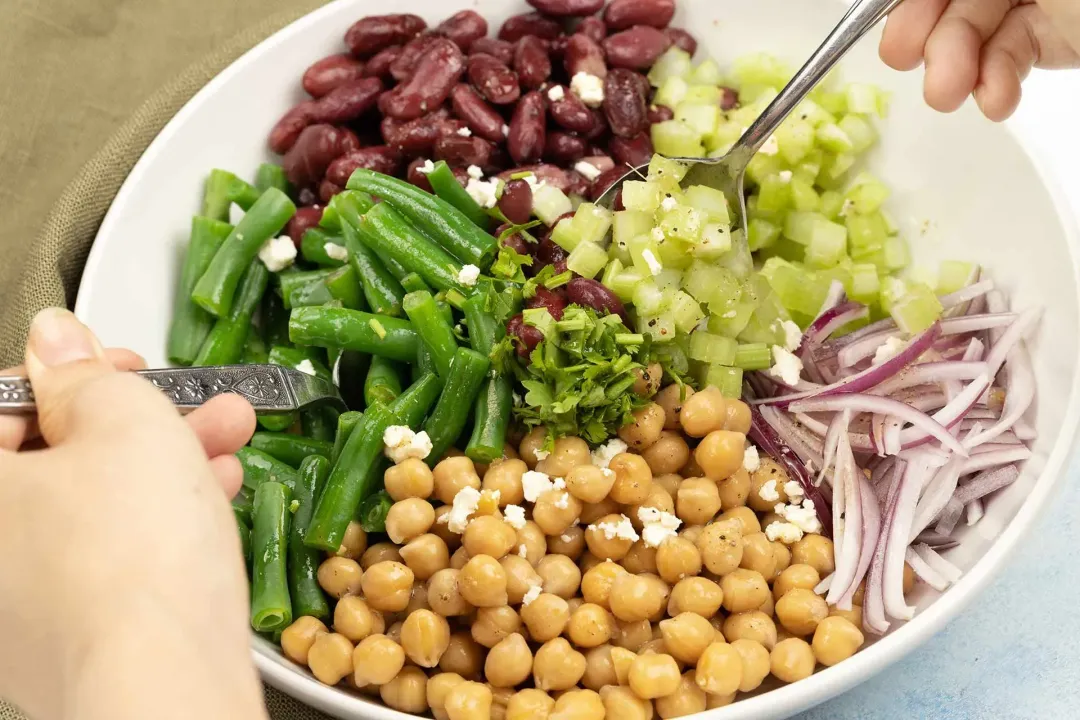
931 372
865 347
985 483
947 416
966 294
871 531
940 564
993 459
897 542
1017 400
936 541
936 497
927 574
946 522
848 533
973 512
824 586
1011 337
763 435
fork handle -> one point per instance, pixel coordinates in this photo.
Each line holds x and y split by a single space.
859 20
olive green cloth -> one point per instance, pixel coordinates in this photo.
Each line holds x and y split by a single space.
88 84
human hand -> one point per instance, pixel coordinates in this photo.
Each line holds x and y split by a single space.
122 589
985 47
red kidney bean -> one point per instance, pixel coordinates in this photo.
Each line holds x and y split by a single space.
567 8
636 48
493 79
317 147
348 102
544 298
682 39
531 62
480 117
327 191
417 178
463 151
533 23
622 14
594 27
600 126
601 162
601 184
501 50
516 202
624 103
634 151
557 47
579 184
415 137
331 72
284 134
590 293
527 129
584 55
436 74
381 158
529 336
464 28
660 113
380 63
617 204
405 65
307 196
729 99
572 114
369 35
548 253
564 148
515 242
304 219
550 174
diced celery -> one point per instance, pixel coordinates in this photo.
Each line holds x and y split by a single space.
810 166
541 319
709 201
753 356
798 289
954 275
890 225
629 224
671 92
760 69
801 226
738 259
587 259
923 274
549 203
725 136
712 349
892 289
592 222
661 327
761 233
762 167
706 73
649 299
754 211
833 138
828 244
675 62
732 321
645 253
566 235
681 222
916 310
715 241
669 173
865 283
610 272
859 131
675 253
668 279
624 282
686 311
675 138
795 139
786 249
834 102
641 196
813 113
832 203
867 194
703 95
728 380
862 98
705 119
866 233
775 194
711 284
833 169
803 196
897 254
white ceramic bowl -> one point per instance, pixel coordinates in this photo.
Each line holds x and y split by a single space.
964 188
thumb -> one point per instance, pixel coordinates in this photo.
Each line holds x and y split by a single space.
76 387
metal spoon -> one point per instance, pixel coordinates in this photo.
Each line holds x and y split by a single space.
727 173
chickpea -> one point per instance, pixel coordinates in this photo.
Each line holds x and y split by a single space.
635 597
720 669
557 665
721 547
504 477
425 637
571 543
696 595
782 556
633 479
909 578
589 483
463 656
718 701
529 704
769 473
590 626
340 576
509 663
816 551
687 699
489 535
792 660
734 490
621 660
494 624
500 698
668 454
409 479
691 532
520 576
654 675
297 639
703 412
560 575
451 539
408 519
533 441
546 617
853 616
755 662
534 540
751 625
444 595
394 632
453 474
599 670
596 582
769 606
768 519
632 635
743 590
737 416
658 499
797 575
697 501
379 552
745 517
648 379
677 558
758 554
578 705
354 543
555 511
720 453
459 558
438 687
799 610
662 591
388 586
330 658
671 399
835 639
567 453
860 592
622 703
606 539
670 482
591 512
407 692
646 428
469 701
353 618
483 582
691 469
425 555
640 559
686 636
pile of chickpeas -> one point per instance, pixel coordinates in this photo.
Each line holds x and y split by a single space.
432 621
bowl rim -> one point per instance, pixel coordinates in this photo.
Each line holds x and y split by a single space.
822 685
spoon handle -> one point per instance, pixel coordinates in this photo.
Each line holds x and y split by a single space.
860 19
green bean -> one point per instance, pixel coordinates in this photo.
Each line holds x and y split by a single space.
271 175
190 323
413 282
447 187
307 596
275 320
319 287
242 503
222 190
313 248
383 382
277 422
393 266
373 511
245 541
225 343
346 423
462 386
304 359
382 291
425 363
432 327
271 606
412 406
255 350
290 449
215 290
320 423
260 468
389 337
492 419
386 231
484 332
435 217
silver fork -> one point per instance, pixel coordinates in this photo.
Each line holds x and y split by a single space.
269 388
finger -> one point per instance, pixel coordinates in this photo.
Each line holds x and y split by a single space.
908 27
954 47
1064 17
229 474
223 425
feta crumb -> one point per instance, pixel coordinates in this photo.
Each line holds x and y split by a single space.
534 484
277 253
785 175
336 252
729 314
514 515
563 502
468 275
783 532
768 491
482 192
787 368
542 455
792 336
534 182
401 443
517 403
427 168
465 504
657 526
506 130
669 203
888 350
607 472
589 88
602 456
531 594
794 491
558 484
623 529
802 516
475 172
556 93
465 132
770 146
658 234
587 170
523 551
751 459
846 208
655 266
306 367
566 538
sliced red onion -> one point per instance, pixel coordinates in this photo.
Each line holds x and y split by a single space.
996 303
838 429
994 459
897 541
891 435
924 572
967 294
830 321
806 445
1024 431
931 372
936 541
835 296
860 442
946 522
1018 399
871 531
847 520
932 558
985 483
865 347
825 585
1011 338
973 512
936 497
947 416
975 323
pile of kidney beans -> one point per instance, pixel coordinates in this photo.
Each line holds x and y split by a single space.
406 93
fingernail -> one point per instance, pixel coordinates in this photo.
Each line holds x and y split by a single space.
57 338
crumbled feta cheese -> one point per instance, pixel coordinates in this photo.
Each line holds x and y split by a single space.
531 594
669 203
506 130
729 314
306 367
277 253
564 501
787 368
534 484
794 491
589 88
792 336
768 491
888 350
558 484
482 192
783 532
336 252
657 526
770 146
427 168
465 504
601 456
785 175
802 516
468 275
534 182
751 460
465 132
587 170
517 403
542 455
523 551
655 266
658 234
622 529
401 443
514 515
607 472
846 208
475 172
556 93
566 538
